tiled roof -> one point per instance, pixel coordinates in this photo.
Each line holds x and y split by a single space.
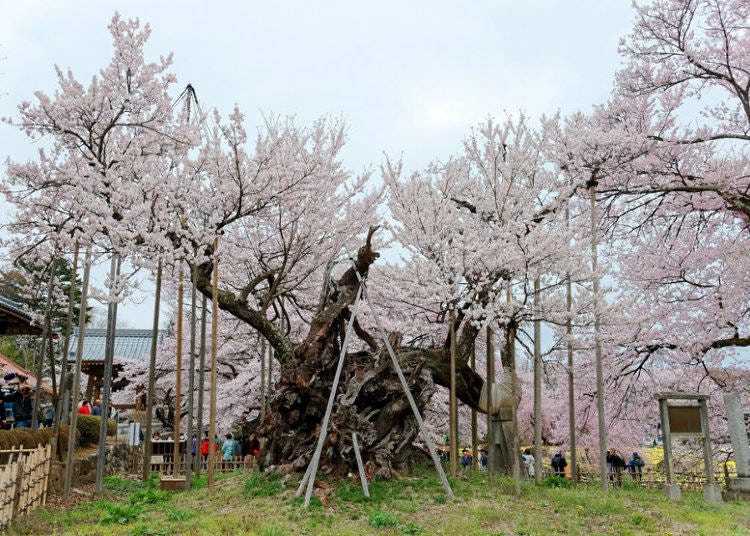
8 366
130 344
17 307
14 320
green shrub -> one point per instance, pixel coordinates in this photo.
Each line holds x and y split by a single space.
122 484
273 530
411 528
259 485
31 438
180 514
149 496
88 425
556 482
145 530
381 520
119 514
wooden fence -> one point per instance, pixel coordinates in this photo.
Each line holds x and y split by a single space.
164 466
654 479
23 481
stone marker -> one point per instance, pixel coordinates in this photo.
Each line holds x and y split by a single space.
738 488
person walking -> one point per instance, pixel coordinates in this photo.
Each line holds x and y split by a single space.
528 462
205 444
559 463
635 466
227 451
616 464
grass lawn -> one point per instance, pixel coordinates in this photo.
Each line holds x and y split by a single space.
249 503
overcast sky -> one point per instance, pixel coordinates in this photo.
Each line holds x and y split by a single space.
409 77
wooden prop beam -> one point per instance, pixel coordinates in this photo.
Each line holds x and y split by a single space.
147 445
178 377
360 466
109 355
313 469
77 376
212 393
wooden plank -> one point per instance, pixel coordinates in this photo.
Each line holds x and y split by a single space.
681 396
362 475
331 398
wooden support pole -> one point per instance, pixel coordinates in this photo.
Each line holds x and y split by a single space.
491 443
666 440
571 371
270 369
706 439
537 386
63 395
474 427
201 381
147 445
109 353
43 345
514 443
452 405
598 346
331 398
77 375
191 379
360 466
212 392
571 386
415 410
262 377
178 375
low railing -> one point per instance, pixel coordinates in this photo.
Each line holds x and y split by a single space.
654 479
165 466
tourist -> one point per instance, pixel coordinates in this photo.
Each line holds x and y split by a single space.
635 466
466 460
253 449
483 459
204 450
49 415
559 463
615 465
227 451
23 406
96 408
85 408
238 450
528 462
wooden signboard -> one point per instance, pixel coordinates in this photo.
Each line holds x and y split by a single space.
685 419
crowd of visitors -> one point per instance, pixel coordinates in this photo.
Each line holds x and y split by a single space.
558 463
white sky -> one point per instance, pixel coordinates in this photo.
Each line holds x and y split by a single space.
409 77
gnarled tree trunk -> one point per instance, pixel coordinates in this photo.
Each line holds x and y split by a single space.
370 399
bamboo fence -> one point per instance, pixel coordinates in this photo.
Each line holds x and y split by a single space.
23 481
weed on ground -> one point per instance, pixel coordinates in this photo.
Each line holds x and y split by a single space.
257 504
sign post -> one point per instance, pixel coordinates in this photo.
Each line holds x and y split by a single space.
686 415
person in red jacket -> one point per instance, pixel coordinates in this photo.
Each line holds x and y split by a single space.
204 449
85 409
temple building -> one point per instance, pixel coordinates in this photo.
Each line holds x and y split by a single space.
130 345
15 321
